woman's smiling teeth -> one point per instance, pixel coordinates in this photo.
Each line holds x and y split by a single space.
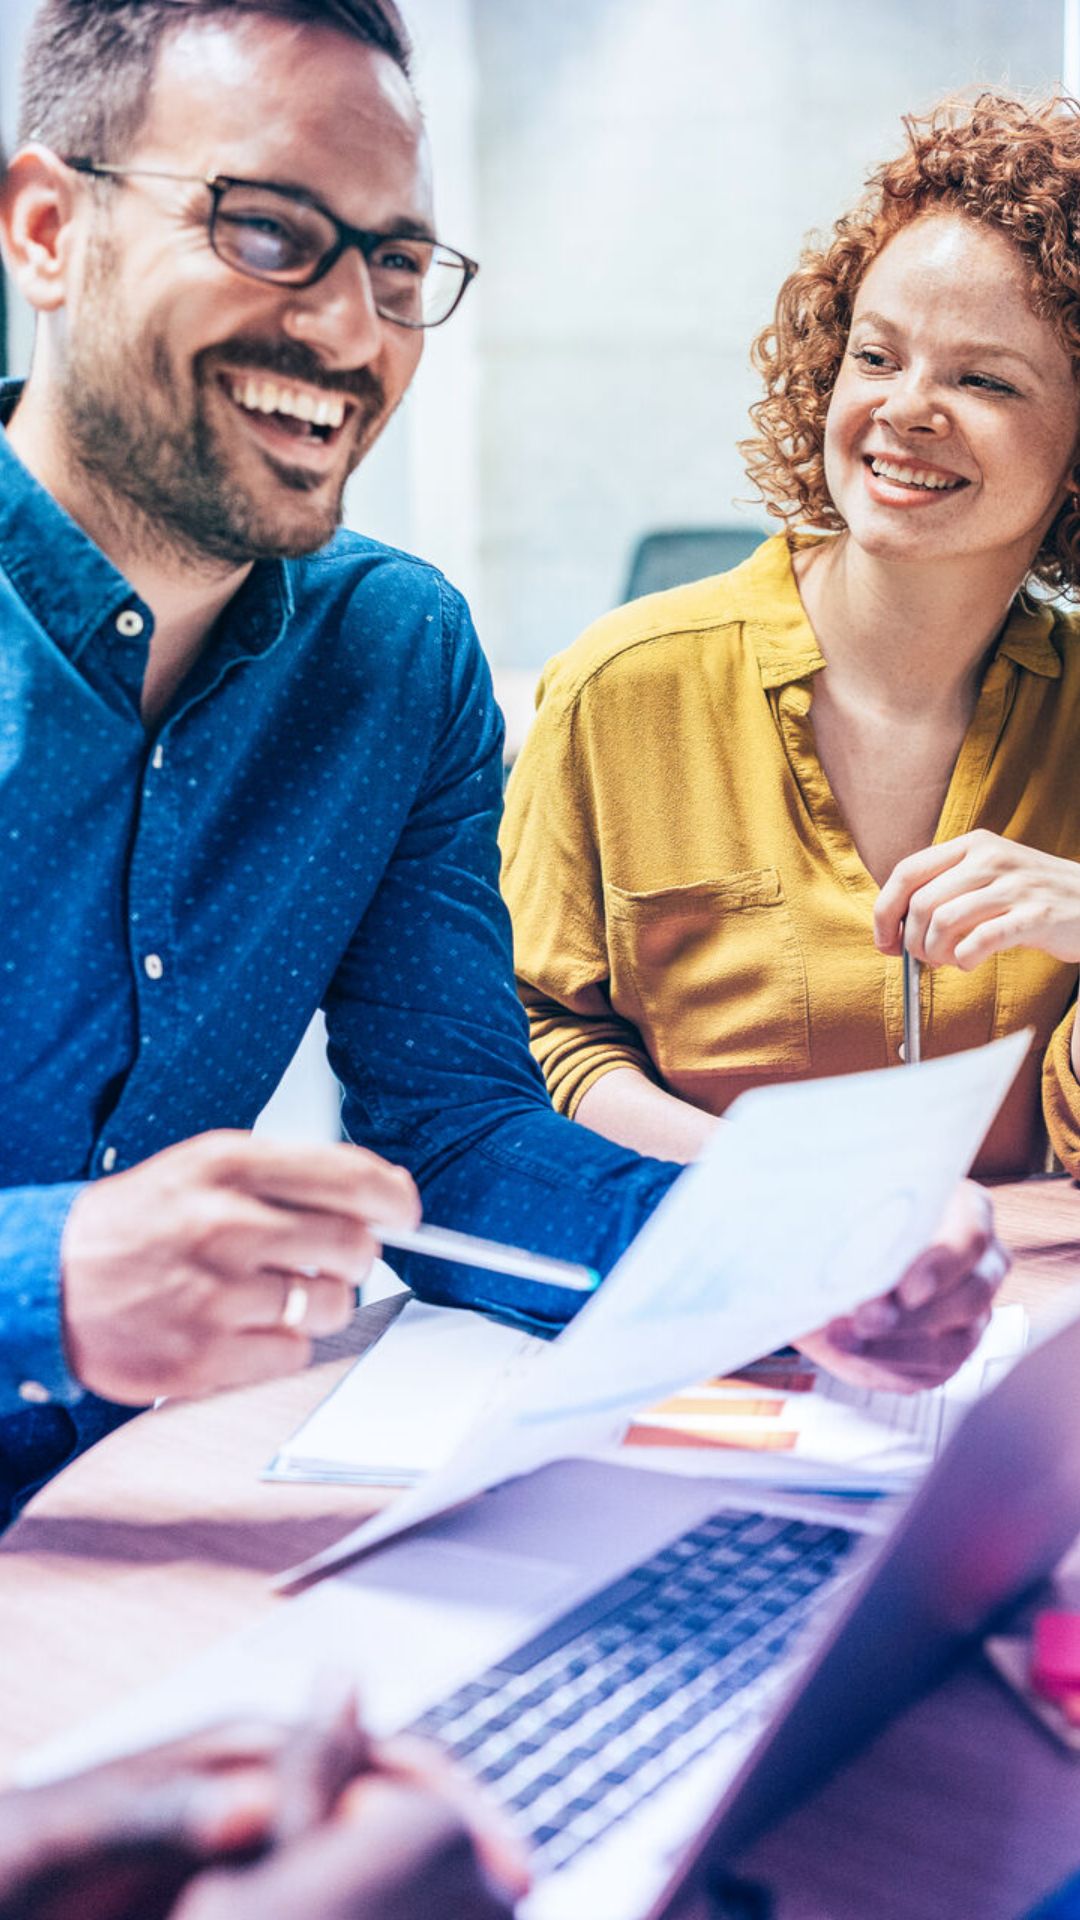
906 476
258 394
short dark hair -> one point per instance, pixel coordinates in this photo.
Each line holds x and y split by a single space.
89 64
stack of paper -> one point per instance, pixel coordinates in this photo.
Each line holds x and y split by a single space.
406 1406
408 1403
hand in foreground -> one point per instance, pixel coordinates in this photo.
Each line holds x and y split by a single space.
409 1841
120 1842
919 1333
956 903
256 1823
177 1274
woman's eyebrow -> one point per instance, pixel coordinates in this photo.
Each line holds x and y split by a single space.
980 349
876 320
995 350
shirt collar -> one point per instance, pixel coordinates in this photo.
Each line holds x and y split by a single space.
776 623
786 645
64 580
1027 638
72 589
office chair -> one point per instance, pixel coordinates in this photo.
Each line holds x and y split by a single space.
678 554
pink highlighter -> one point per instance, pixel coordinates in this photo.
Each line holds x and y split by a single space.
1055 1661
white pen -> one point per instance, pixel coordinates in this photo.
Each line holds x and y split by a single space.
443 1243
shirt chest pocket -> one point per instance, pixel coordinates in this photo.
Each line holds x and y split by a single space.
712 975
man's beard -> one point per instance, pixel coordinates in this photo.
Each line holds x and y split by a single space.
161 471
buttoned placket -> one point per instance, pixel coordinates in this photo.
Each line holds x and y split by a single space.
156 971
147 944
793 710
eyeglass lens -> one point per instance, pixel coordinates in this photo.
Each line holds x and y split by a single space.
271 236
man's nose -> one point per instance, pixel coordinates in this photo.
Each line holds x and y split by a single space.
336 316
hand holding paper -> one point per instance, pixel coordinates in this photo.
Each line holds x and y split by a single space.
815 1198
918 1334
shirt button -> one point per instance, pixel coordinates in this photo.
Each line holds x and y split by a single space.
153 966
130 623
108 1159
34 1393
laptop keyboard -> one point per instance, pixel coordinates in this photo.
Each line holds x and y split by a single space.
575 1729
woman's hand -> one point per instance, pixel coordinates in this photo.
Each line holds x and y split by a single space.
957 903
919 1333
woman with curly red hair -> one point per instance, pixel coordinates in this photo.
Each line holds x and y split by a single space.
740 797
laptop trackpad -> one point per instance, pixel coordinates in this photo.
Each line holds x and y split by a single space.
443 1605
464 1576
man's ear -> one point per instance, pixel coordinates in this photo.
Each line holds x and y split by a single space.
38 201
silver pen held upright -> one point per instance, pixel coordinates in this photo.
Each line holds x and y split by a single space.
912 1034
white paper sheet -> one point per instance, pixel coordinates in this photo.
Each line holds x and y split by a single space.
816 1196
407 1405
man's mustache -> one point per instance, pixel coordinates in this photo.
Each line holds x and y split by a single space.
290 360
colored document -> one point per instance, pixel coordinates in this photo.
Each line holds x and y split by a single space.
817 1195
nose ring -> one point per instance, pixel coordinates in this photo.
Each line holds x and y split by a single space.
874 411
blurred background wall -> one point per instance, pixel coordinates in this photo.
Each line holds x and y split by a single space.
646 172
636 177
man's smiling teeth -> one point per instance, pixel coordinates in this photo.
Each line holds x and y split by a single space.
914 476
268 396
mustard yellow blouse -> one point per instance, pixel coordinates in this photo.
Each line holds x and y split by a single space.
685 894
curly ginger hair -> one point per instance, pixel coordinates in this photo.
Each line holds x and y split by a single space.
1012 167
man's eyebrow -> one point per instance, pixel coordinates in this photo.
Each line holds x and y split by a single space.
403 227
409 230
980 349
398 227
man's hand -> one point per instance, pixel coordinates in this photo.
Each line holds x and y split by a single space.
177 1274
120 1842
919 1333
409 1839
404 1854
260 1823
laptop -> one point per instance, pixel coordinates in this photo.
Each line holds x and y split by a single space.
722 1651
648 1669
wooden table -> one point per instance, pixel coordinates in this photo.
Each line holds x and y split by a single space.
158 1541
162 1539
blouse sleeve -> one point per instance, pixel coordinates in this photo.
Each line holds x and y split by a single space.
552 881
1061 1096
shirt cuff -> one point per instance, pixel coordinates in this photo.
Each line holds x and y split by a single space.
33 1364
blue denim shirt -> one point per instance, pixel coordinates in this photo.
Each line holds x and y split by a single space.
312 823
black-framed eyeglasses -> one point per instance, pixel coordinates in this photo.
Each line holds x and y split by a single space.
283 236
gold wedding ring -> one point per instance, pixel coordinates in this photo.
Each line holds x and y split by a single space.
294 1311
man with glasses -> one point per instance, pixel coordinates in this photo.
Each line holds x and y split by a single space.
251 766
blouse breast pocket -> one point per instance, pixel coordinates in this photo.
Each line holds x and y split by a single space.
712 975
